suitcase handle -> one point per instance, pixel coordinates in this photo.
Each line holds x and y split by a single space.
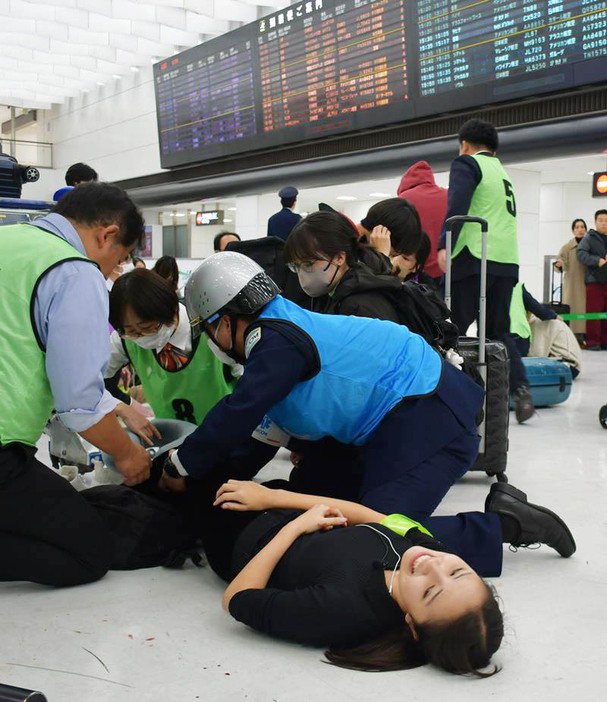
482 315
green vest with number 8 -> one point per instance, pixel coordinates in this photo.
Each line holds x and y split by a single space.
494 201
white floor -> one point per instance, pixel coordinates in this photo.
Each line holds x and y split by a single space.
161 635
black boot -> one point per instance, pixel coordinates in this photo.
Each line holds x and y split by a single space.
524 408
535 524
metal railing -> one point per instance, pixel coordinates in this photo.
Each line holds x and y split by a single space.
29 153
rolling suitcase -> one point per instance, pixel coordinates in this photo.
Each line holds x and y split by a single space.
549 380
490 360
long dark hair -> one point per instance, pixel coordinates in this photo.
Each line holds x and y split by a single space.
324 234
149 295
575 221
464 646
401 218
166 267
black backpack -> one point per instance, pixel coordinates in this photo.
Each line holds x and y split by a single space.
422 310
146 531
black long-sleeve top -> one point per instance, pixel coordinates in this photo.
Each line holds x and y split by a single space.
329 588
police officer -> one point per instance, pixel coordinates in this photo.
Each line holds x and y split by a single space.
365 382
281 223
479 186
54 348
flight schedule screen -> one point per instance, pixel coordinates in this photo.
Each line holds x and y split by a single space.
324 67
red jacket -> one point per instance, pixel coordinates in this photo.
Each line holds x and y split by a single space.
419 188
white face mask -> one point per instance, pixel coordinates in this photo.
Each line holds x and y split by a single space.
318 281
155 341
218 352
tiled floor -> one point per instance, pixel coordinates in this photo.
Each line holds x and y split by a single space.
161 636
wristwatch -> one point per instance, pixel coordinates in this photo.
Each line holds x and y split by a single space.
170 468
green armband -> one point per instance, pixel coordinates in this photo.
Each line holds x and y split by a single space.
401 524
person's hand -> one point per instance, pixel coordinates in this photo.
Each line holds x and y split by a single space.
126 376
379 239
441 259
602 262
138 424
172 484
318 518
245 496
558 265
134 465
142 409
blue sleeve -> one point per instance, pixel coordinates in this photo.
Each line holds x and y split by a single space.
275 366
464 177
71 317
540 311
270 228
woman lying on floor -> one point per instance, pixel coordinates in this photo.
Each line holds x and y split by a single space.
382 594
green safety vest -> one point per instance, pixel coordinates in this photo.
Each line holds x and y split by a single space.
187 393
26 400
494 201
519 324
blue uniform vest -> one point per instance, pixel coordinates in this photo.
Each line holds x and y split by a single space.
367 366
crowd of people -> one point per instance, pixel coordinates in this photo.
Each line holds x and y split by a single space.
346 553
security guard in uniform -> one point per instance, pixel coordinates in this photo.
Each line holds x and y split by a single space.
366 382
479 186
54 348
281 223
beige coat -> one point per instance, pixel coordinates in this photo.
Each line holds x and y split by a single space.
554 339
574 287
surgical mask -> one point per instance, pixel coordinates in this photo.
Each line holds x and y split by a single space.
155 341
218 352
317 281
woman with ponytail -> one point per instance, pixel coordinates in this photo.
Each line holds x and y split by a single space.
341 273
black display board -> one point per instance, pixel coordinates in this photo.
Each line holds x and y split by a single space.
325 67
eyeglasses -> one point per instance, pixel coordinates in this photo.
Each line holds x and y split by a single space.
146 329
306 266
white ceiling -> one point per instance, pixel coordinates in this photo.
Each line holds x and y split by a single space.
51 50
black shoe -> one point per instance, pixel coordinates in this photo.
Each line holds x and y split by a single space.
535 524
524 408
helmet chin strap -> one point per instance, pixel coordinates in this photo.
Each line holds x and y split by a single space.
232 352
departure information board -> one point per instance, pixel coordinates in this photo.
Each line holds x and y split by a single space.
324 67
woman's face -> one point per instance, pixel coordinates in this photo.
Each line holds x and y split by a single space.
431 586
320 276
134 327
407 264
579 230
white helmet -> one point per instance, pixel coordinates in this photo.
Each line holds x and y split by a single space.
227 283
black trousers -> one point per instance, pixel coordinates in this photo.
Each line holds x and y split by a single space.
465 308
48 533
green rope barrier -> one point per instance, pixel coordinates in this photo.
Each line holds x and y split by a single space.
587 316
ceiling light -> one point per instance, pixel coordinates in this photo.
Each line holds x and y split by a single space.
116 76
134 69
226 221
231 209
100 83
347 198
382 195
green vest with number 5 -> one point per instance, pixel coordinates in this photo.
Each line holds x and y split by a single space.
494 201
